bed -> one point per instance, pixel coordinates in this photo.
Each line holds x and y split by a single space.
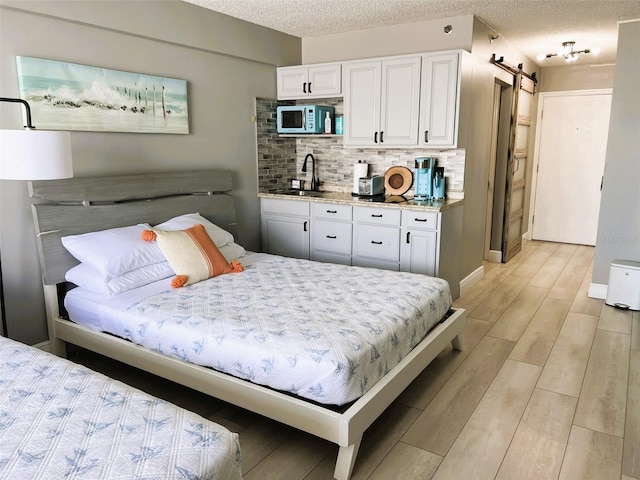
314 404
62 420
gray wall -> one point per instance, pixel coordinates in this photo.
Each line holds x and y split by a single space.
619 221
227 64
576 77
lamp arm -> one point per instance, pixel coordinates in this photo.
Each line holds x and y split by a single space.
29 125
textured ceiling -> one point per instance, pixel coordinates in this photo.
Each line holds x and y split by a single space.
532 26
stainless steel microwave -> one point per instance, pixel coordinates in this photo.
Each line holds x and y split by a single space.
303 118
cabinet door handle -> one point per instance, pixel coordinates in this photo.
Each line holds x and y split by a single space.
309 87
376 215
332 236
332 211
375 137
376 243
408 237
305 226
426 136
381 137
304 87
419 219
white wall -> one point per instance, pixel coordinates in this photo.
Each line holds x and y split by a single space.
226 62
619 220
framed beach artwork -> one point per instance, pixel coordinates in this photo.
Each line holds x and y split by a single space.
68 96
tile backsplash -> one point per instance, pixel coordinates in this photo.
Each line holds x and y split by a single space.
280 158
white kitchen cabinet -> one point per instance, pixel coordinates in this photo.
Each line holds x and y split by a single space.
440 100
285 227
381 102
376 242
419 248
310 81
331 234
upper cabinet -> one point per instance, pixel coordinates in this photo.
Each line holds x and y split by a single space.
381 102
440 100
310 81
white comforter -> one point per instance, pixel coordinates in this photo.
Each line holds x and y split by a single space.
61 420
321 331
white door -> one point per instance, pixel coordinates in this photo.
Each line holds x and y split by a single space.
572 142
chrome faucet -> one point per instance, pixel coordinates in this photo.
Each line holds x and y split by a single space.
315 183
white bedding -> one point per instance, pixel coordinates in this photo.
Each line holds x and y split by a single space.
62 420
322 331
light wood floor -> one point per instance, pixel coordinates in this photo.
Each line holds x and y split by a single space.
548 387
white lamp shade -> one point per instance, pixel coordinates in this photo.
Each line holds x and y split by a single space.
35 155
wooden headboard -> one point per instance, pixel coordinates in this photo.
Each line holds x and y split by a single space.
80 205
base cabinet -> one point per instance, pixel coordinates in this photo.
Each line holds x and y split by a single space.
285 228
401 239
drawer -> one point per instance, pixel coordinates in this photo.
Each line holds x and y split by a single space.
331 236
378 216
382 243
331 211
417 219
285 207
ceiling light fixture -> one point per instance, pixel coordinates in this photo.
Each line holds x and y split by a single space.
567 51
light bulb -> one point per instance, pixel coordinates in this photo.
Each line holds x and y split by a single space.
541 56
596 50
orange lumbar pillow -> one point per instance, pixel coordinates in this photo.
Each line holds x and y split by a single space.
192 254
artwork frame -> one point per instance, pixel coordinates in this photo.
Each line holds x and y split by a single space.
71 96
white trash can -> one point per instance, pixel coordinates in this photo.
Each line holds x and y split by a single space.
624 285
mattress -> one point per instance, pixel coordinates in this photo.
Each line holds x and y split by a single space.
320 331
62 420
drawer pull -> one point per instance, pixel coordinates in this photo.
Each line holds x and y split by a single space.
419 219
376 243
376 216
331 236
332 211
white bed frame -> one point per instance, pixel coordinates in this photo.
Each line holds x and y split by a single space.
65 207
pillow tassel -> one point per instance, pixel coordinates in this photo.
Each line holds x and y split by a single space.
178 281
237 266
148 235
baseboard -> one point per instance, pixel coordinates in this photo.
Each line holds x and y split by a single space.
470 280
598 290
44 346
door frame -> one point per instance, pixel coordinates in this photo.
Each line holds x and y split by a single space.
536 150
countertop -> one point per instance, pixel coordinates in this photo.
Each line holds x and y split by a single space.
385 201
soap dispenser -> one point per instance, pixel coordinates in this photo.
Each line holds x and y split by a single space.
327 123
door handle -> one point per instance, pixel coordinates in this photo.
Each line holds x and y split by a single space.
426 136
381 137
309 87
304 87
305 226
408 237
375 137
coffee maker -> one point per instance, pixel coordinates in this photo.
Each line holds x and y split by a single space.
425 171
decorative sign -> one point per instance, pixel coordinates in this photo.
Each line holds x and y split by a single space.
68 96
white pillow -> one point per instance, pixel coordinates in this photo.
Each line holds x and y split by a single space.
232 251
219 236
87 277
115 251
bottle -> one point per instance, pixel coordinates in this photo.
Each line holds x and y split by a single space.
327 123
